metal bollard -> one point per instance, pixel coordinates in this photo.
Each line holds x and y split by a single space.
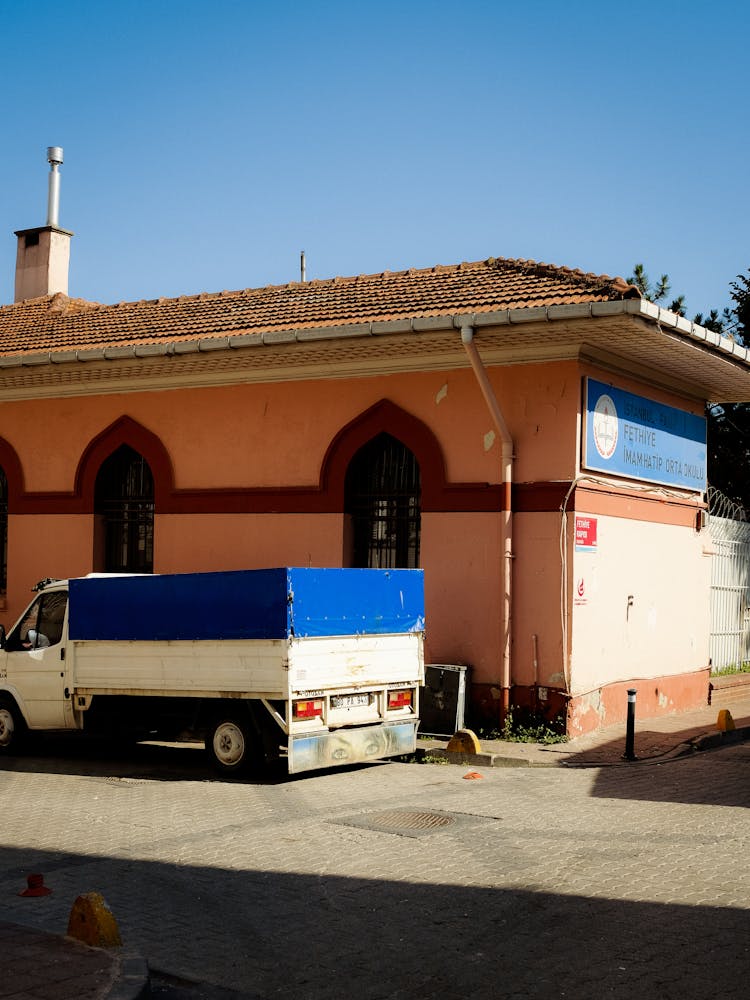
630 732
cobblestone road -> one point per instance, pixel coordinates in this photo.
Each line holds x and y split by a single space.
399 880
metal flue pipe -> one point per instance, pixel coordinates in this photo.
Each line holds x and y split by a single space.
55 159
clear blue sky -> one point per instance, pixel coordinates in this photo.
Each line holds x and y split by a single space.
207 143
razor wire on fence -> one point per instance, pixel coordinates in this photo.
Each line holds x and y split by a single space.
720 505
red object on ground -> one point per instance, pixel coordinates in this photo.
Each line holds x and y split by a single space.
35 886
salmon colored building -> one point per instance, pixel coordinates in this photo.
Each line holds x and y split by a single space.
467 419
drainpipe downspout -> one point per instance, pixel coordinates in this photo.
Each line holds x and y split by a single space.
506 525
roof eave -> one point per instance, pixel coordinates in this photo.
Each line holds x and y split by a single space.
683 330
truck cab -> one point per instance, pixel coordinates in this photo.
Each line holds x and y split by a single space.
33 661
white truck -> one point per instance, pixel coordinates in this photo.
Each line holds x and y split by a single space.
318 667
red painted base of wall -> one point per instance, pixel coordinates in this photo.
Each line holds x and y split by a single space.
605 706
608 706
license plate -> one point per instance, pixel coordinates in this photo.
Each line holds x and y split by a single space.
350 701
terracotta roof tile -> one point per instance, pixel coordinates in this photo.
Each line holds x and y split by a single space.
61 323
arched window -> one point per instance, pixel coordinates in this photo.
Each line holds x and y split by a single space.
3 531
124 505
382 498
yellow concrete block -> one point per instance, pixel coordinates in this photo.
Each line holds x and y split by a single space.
92 922
725 722
464 741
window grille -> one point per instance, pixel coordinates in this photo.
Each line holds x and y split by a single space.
124 501
383 499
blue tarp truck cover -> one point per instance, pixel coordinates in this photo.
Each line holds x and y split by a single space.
280 603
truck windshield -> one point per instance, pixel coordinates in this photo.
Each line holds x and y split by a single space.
42 625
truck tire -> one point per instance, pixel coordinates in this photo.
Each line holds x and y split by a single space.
12 726
231 745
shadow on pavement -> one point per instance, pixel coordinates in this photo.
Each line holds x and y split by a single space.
649 744
102 758
270 934
188 763
709 784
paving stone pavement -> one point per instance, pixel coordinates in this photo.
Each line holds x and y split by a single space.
37 964
550 882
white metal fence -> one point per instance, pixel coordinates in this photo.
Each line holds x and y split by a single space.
730 583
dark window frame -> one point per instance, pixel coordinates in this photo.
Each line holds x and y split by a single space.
124 508
382 497
3 531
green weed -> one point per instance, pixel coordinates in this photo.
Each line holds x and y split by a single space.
421 758
522 726
733 668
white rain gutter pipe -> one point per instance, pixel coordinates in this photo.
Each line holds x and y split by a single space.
506 524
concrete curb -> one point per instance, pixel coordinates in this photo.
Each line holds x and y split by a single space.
708 741
714 741
133 981
698 744
476 759
681 750
503 760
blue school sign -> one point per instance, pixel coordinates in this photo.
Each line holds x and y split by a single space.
631 436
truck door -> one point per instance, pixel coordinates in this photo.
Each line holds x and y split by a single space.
35 662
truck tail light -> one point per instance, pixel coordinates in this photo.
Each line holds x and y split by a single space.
307 709
399 699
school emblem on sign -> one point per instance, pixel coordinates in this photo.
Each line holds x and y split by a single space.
605 426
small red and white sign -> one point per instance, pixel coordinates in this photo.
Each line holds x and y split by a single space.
585 533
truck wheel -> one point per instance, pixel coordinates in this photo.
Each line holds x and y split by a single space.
230 745
11 726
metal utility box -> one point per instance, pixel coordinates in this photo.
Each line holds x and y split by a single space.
444 699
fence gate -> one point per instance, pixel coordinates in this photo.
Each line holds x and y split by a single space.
730 583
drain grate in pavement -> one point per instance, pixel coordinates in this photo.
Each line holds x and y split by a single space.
405 822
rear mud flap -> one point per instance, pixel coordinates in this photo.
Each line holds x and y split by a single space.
351 746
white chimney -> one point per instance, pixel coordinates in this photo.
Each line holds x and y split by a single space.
43 255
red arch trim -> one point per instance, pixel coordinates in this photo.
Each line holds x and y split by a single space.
326 497
13 470
145 442
437 493
384 417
